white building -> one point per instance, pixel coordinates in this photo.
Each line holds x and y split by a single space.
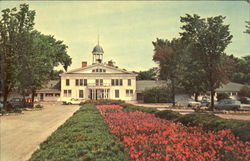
98 81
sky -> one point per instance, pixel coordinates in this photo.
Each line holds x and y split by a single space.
127 28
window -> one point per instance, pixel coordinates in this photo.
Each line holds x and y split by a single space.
81 82
81 94
67 82
129 92
85 82
99 70
99 82
57 95
48 94
67 93
116 82
129 82
117 93
77 82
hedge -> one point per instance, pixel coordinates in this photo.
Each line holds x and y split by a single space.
83 137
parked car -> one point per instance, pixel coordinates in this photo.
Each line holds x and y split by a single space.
227 104
20 103
1 105
192 103
205 102
245 100
73 101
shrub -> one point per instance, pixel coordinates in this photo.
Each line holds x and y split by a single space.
38 106
168 114
131 108
83 137
157 95
244 91
240 128
221 96
104 102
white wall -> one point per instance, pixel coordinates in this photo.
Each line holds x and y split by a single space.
91 80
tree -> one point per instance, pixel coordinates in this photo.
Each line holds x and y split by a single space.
168 55
241 73
244 91
12 25
43 55
27 56
247 27
148 75
157 95
211 38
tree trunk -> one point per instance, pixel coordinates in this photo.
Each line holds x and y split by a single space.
196 96
5 97
33 97
173 91
23 93
212 99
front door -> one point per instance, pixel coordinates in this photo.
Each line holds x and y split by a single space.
41 96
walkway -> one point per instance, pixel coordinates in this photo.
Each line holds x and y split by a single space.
20 135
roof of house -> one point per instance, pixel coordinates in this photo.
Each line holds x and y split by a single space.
142 85
53 86
230 87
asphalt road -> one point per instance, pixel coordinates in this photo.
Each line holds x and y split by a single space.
20 135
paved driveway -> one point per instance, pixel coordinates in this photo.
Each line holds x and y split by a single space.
20 135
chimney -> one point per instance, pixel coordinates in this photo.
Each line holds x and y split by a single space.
110 63
84 64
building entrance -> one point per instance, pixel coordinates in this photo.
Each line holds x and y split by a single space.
95 94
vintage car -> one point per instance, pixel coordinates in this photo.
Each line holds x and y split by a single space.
73 101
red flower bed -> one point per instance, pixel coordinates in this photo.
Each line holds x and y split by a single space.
149 138
108 106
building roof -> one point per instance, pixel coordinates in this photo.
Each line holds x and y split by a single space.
97 49
53 86
230 87
142 85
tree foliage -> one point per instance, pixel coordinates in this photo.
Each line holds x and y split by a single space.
150 74
209 38
244 91
241 73
14 27
28 57
168 55
157 95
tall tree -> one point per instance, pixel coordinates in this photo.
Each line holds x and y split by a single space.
168 55
12 25
210 42
43 55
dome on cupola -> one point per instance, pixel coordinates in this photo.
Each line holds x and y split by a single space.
98 50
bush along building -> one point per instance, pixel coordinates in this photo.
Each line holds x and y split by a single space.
99 80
